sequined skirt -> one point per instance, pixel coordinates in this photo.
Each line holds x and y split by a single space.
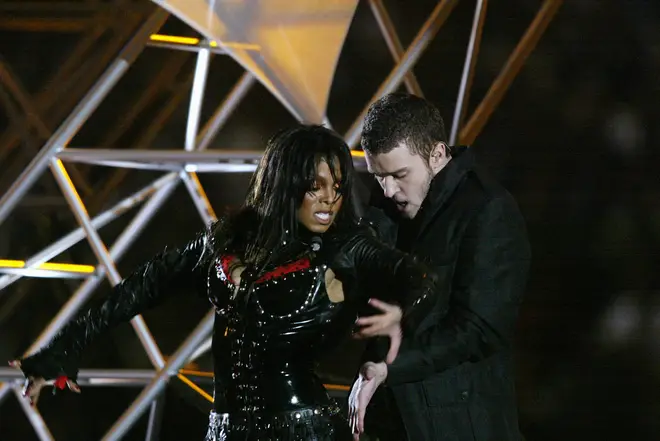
319 423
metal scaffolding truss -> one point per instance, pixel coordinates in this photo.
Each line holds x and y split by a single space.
182 167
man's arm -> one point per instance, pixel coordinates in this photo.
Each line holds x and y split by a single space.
490 278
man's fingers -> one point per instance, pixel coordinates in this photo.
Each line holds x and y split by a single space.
369 320
368 332
361 411
382 306
353 402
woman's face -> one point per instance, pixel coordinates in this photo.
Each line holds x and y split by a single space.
321 204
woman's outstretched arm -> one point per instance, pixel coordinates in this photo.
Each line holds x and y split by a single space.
169 272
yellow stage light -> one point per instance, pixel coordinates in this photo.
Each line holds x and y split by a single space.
192 41
64 267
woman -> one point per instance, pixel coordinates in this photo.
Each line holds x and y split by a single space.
283 275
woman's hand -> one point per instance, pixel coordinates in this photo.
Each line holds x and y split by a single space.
387 324
32 386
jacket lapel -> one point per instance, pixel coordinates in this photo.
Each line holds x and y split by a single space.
443 185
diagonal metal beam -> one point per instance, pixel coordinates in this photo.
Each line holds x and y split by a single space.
190 178
513 65
394 43
71 79
468 69
425 35
153 390
80 114
103 256
33 120
71 25
35 418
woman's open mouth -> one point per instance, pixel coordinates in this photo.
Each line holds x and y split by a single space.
323 217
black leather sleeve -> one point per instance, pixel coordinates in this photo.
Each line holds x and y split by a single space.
411 283
169 272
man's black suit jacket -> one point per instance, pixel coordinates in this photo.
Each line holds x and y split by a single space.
453 379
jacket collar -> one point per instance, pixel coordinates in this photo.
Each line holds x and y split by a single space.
443 185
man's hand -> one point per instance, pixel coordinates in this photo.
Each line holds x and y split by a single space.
371 376
386 324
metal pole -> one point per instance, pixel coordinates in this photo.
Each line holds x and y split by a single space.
91 155
225 110
45 273
70 74
81 113
92 377
202 349
97 222
155 419
468 68
99 249
414 51
229 161
34 417
190 178
19 93
179 358
199 197
197 98
513 65
393 43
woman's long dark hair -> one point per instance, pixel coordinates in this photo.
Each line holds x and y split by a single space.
285 173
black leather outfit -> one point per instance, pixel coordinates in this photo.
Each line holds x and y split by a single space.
268 333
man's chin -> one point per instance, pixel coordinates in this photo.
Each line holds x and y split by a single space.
409 212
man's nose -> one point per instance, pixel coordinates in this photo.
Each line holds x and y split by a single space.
389 187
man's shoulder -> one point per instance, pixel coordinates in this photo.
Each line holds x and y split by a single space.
485 190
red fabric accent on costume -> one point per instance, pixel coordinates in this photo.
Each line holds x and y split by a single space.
225 261
60 382
280 271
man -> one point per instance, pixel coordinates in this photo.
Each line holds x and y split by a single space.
453 378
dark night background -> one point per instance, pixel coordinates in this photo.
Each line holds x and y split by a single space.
575 141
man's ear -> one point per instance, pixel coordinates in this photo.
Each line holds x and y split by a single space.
438 157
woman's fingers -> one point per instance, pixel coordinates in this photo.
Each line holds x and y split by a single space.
73 386
32 389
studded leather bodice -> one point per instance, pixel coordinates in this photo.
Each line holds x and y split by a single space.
269 335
